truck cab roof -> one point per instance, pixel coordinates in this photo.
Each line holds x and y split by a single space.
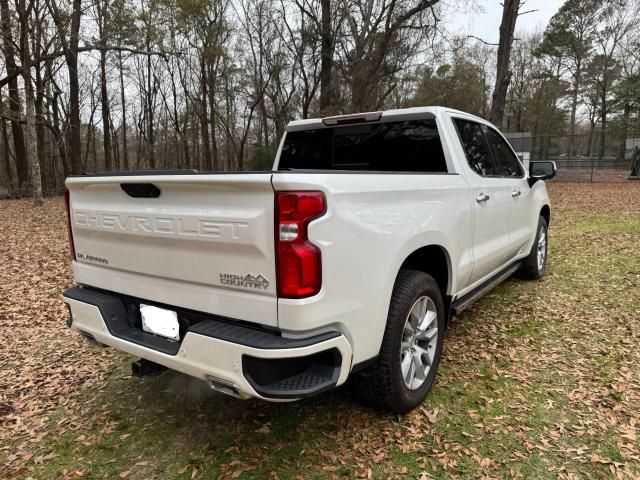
412 113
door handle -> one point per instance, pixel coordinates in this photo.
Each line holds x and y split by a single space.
515 193
482 198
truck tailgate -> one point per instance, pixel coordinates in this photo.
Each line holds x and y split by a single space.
206 242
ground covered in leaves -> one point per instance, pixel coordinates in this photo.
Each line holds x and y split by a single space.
539 380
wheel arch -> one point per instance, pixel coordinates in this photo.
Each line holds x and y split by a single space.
433 260
545 212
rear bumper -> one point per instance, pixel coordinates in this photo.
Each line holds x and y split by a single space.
250 362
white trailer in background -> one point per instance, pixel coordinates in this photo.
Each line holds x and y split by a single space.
522 143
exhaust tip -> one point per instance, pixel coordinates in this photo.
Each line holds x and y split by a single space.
223 386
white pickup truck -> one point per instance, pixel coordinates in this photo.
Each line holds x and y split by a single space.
346 260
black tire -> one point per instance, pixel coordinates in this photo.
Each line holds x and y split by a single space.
381 384
530 269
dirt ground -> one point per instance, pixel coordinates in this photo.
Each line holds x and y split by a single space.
539 379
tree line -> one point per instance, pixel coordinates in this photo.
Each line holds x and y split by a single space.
578 80
211 84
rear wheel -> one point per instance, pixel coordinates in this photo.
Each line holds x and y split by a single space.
406 367
535 265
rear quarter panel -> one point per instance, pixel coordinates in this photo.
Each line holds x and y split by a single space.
373 223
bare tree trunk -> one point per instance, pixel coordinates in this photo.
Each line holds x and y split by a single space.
592 128
106 115
151 154
185 142
104 27
5 169
15 104
173 117
212 115
185 121
195 135
46 167
360 87
503 74
227 143
574 108
241 157
603 124
62 145
75 147
94 146
206 145
91 134
9 167
139 140
43 159
32 139
326 56
125 150
30 114
165 141
6 157
116 149
70 48
626 114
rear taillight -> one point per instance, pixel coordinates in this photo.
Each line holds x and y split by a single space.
299 267
69 229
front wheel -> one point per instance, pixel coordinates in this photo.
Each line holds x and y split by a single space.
406 367
534 266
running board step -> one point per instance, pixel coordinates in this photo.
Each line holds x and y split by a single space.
466 301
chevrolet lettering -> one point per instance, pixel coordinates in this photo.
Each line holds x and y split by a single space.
191 227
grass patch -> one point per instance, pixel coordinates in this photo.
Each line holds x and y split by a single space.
538 380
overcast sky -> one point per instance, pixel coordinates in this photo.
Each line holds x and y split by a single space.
486 24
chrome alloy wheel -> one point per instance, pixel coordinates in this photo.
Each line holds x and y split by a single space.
419 340
542 248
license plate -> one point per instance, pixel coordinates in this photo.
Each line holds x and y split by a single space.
160 321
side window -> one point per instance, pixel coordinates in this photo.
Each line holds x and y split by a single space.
475 147
506 163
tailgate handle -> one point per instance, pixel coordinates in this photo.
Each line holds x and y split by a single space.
140 190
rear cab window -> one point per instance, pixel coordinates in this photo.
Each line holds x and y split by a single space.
396 146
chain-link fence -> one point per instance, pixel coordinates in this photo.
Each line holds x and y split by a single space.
591 157
586 157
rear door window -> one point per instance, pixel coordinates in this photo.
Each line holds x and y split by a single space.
475 147
505 161
408 146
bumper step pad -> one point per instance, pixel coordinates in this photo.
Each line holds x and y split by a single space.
301 381
293 377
